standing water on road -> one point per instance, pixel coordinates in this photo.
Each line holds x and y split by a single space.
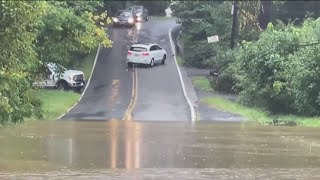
126 149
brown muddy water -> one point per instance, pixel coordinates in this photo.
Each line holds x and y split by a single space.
143 150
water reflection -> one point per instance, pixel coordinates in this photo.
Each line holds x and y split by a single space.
132 145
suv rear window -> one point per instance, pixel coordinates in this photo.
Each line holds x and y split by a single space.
138 49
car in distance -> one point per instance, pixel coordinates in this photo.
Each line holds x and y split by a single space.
146 53
54 75
140 13
124 18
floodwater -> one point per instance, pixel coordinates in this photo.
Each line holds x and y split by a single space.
118 149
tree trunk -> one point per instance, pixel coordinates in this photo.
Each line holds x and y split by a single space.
265 13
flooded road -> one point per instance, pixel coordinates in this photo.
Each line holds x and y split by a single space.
144 150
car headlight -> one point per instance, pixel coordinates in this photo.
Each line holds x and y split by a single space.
138 14
115 19
130 20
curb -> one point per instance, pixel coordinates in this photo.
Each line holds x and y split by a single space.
87 84
192 109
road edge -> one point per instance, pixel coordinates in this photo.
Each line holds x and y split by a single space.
192 109
87 84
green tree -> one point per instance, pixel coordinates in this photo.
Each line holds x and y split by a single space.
65 32
296 10
199 20
154 7
18 58
279 72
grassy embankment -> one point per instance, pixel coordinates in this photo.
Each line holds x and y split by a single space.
55 102
161 17
251 114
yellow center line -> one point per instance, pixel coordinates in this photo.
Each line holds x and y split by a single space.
129 112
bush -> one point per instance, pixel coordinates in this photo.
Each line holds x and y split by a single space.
278 74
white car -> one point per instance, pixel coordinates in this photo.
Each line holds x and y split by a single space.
66 79
146 54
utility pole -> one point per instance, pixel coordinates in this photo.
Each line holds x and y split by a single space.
234 23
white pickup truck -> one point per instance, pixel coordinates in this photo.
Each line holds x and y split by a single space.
56 76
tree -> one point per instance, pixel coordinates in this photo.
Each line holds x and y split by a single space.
265 13
279 72
112 6
296 11
154 7
66 30
199 20
18 58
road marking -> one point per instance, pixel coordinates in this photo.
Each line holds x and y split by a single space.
128 115
192 109
134 96
87 84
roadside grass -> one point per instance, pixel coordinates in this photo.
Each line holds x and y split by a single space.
249 113
54 102
257 115
86 63
161 17
202 83
179 60
300 120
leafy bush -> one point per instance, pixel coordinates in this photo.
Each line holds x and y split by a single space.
303 72
278 74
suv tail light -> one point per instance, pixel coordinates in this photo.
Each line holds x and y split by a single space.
129 53
145 54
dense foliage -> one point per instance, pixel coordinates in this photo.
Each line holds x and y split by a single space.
279 72
274 68
35 32
65 31
17 35
199 20
154 7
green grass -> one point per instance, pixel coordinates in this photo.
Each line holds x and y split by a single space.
232 107
86 64
55 102
202 83
161 17
257 115
300 120
179 60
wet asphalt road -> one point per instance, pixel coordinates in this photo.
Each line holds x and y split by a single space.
159 91
160 95
109 91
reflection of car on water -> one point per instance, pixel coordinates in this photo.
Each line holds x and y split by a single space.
124 18
140 13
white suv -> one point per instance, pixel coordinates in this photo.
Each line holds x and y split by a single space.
57 76
146 54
